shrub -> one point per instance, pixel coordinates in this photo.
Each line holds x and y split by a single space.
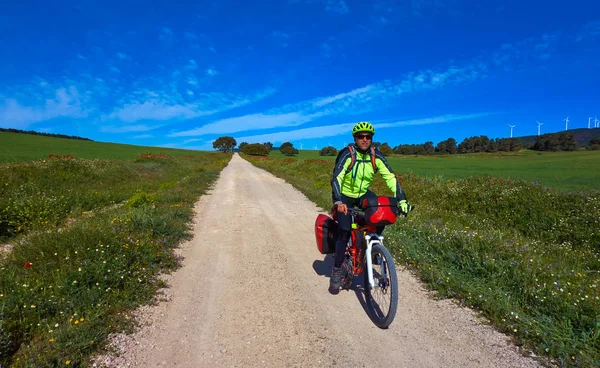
328 151
256 149
141 199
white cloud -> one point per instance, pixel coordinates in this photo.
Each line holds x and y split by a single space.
123 56
129 128
143 136
336 6
66 103
192 64
155 109
153 106
211 72
360 100
248 122
345 128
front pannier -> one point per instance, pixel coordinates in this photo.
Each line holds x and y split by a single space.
380 211
326 234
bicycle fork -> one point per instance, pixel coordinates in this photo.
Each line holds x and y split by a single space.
372 239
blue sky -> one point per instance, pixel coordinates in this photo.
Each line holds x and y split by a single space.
180 74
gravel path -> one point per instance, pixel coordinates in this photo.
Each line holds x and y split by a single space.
253 292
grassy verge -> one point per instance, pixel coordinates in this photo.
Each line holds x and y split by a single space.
565 171
62 292
527 257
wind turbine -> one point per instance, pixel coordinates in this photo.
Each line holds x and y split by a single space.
511 128
566 123
589 121
539 125
300 145
596 122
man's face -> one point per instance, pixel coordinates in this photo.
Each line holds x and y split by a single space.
363 140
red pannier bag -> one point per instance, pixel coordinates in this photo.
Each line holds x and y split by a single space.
380 210
326 234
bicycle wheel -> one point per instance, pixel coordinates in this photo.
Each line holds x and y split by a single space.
382 300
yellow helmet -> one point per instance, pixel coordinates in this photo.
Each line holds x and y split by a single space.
363 126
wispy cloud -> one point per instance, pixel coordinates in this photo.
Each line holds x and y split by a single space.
336 6
211 72
66 102
128 128
360 100
153 106
123 56
345 128
143 136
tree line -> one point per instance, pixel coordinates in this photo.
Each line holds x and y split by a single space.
12 130
548 142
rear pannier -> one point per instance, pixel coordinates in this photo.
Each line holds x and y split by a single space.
326 234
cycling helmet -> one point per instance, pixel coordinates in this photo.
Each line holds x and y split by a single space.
363 126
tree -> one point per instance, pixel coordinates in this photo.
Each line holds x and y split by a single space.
269 145
287 148
224 144
386 149
594 144
428 148
256 149
376 144
242 145
328 151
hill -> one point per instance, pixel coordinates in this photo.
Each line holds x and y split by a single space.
582 136
16 147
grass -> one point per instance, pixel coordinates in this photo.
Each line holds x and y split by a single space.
62 292
526 257
559 170
15 147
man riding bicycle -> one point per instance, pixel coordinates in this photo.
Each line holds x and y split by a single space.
353 173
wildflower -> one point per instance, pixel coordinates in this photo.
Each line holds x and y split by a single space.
27 264
76 322
52 340
68 362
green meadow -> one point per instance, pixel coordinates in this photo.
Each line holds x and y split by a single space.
15 147
84 240
577 170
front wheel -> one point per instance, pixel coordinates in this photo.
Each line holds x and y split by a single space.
382 300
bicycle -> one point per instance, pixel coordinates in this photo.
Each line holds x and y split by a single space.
366 250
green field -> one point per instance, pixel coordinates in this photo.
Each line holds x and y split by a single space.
15 147
569 171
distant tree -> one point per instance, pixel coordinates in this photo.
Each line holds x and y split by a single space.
376 144
428 148
255 149
224 144
328 151
594 144
269 145
242 145
287 148
386 149
555 142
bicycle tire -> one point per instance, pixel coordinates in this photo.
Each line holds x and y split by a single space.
382 316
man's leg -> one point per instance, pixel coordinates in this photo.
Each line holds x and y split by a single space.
345 227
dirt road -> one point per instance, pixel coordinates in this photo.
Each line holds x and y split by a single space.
253 292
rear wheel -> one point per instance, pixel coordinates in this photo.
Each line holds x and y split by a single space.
382 300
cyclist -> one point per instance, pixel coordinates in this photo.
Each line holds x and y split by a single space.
349 187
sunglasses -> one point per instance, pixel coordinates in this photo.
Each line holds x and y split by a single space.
363 136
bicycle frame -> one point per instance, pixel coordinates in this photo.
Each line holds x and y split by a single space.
362 256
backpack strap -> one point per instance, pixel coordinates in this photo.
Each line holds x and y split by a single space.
352 151
373 159
352 158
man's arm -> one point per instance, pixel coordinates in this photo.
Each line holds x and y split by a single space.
342 163
388 175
